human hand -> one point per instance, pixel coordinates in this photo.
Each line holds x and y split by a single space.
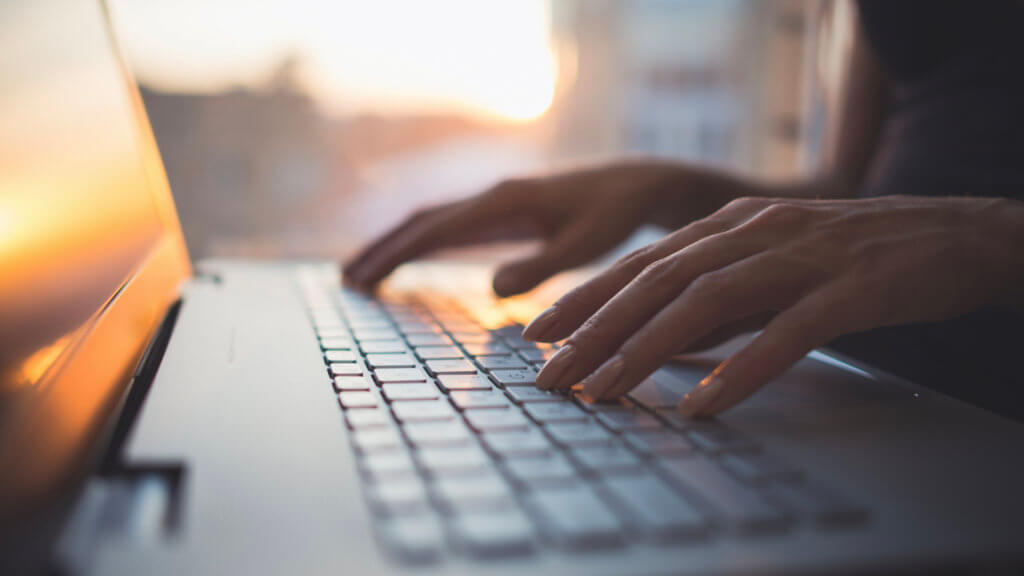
580 215
806 270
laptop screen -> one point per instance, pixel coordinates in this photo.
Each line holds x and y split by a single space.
90 249
76 212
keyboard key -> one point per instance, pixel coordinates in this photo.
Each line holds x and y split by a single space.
453 460
357 400
517 343
423 411
382 346
493 534
759 468
478 399
716 439
620 404
412 326
399 375
402 360
654 508
346 369
412 539
492 420
366 335
381 466
450 382
469 337
514 377
658 443
428 340
462 366
551 470
407 392
510 329
340 356
487 349
509 444
501 363
438 352
324 333
349 383
462 326
673 418
587 433
619 422
444 433
606 459
360 419
376 439
824 506
575 517
336 344
737 505
376 322
527 394
555 412
657 391
535 355
398 498
476 491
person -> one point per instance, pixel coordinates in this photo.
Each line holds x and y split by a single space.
907 249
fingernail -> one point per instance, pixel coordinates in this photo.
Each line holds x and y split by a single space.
604 378
555 368
541 325
701 397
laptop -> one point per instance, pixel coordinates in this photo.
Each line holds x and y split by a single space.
258 418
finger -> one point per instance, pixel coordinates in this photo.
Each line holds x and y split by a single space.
728 331
458 224
582 240
810 323
573 308
579 304
753 286
355 268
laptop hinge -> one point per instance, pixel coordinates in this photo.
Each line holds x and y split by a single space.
138 388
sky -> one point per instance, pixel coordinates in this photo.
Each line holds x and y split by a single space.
489 59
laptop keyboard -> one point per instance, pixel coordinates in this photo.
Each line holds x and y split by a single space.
461 454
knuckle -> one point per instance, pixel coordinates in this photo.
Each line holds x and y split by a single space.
745 204
636 260
704 227
710 286
657 274
782 215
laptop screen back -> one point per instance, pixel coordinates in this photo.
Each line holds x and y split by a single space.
84 213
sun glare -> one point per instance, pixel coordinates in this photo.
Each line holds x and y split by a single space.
489 59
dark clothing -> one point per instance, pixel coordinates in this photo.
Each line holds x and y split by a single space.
955 121
954 127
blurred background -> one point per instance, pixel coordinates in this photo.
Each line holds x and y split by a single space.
303 128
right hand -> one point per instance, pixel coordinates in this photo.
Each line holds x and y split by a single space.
580 215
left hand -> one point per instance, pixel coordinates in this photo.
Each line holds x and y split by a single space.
806 270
